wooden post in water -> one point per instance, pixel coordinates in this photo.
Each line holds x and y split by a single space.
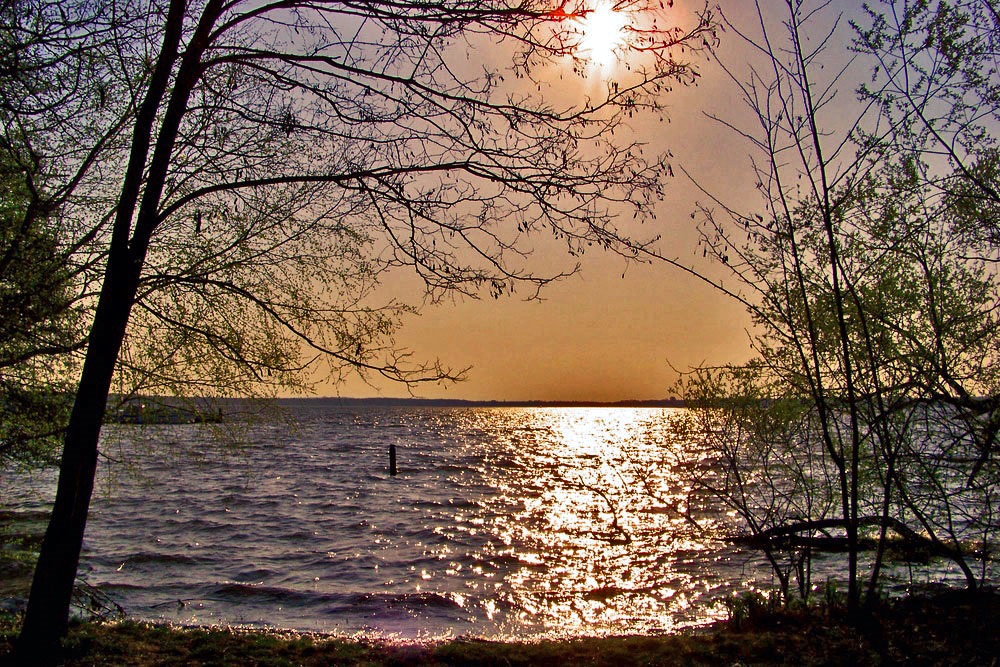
392 460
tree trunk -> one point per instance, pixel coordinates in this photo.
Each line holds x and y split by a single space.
47 616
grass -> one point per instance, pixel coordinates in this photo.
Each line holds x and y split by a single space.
956 628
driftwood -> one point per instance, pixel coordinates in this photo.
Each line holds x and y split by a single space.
789 535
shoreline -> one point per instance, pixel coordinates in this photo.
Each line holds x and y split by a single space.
950 628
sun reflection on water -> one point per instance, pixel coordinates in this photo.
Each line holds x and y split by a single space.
501 523
591 517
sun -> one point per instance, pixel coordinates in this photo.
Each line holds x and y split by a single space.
602 32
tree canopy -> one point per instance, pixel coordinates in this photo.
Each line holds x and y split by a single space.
235 177
868 415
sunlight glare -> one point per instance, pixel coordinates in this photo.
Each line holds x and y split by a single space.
583 531
602 33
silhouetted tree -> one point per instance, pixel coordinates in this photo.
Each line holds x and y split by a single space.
245 171
870 408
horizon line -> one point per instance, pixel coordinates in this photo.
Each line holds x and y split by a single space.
416 400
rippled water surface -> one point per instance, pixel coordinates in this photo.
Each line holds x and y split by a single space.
501 522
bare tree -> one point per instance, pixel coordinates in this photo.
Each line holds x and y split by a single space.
244 172
875 317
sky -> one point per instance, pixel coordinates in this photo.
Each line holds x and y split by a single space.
613 331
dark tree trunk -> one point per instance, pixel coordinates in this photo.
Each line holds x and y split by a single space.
47 616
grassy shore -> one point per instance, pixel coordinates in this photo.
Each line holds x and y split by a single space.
955 628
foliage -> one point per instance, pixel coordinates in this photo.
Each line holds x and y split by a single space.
936 84
39 320
868 415
749 606
313 149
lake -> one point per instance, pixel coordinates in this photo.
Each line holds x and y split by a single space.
501 522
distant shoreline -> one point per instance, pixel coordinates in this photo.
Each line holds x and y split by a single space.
464 403
172 410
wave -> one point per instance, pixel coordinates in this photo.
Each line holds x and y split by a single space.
390 602
244 591
122 561
331 603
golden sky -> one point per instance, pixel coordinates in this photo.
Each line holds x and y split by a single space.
600 335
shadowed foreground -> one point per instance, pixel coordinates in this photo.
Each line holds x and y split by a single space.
954 628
